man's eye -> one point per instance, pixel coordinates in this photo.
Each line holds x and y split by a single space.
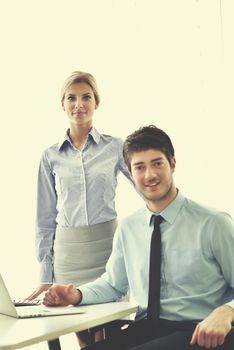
139 168
159 164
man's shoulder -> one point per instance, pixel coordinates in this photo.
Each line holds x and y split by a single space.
203 210
200 207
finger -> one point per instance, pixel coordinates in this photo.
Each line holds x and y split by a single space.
207 341
45 287
201 338
49 300
54 297
220 340
53 293
37 292
194 336
214 342
71 290
32 296
45 301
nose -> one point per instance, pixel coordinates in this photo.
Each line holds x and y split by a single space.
79 103
150 173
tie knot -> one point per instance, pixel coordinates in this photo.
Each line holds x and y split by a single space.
157 220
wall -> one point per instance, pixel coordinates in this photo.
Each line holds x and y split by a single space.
167 63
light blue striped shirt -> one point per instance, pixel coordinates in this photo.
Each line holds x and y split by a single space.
197 272
76 188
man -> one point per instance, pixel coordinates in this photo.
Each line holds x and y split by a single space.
197 260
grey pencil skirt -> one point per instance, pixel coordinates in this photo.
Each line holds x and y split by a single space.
80 254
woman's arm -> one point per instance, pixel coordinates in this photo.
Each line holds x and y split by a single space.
45 219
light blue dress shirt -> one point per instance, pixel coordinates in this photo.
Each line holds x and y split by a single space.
197 271
76 188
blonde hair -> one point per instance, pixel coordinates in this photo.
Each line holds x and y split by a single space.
81 77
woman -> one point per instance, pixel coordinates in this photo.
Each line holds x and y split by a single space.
76 217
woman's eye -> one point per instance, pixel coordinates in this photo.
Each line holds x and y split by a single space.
71 98
87 97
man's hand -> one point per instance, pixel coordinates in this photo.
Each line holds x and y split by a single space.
62 294
212 331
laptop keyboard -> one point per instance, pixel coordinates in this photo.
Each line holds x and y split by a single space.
27 303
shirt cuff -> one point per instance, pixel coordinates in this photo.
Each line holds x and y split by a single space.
88 296
46 273
231 303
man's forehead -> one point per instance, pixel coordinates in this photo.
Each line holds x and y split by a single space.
149 155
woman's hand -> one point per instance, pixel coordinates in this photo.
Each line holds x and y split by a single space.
63 295
40 289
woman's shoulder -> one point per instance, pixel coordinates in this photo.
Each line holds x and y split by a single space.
51 152
110 138
54 147
105 137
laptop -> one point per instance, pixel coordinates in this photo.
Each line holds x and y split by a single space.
8 308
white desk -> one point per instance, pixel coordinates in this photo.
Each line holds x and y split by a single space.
18 333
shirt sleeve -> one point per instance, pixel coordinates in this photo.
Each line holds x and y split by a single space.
122 165
231 303
113 284
45 219
222 245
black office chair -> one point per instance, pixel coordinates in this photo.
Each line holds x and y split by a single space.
112 328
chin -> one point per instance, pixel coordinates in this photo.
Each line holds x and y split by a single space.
152 197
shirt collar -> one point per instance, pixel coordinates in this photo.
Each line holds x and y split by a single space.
93 133
170 213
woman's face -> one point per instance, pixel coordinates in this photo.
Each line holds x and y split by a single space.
79 104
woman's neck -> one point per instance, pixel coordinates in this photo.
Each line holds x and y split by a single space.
78 135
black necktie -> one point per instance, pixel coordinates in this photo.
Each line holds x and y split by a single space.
153 311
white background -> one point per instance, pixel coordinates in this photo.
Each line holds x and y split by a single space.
162 62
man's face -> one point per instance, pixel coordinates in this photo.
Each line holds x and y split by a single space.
152 174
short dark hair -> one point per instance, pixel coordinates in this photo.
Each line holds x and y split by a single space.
145 138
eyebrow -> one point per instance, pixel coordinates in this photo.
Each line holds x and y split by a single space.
85 93
156 159
137 163
152 160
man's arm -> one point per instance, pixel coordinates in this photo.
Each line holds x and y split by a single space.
111 286
212 331
61 294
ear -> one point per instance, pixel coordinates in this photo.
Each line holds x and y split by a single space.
173 164
130 174
62 104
